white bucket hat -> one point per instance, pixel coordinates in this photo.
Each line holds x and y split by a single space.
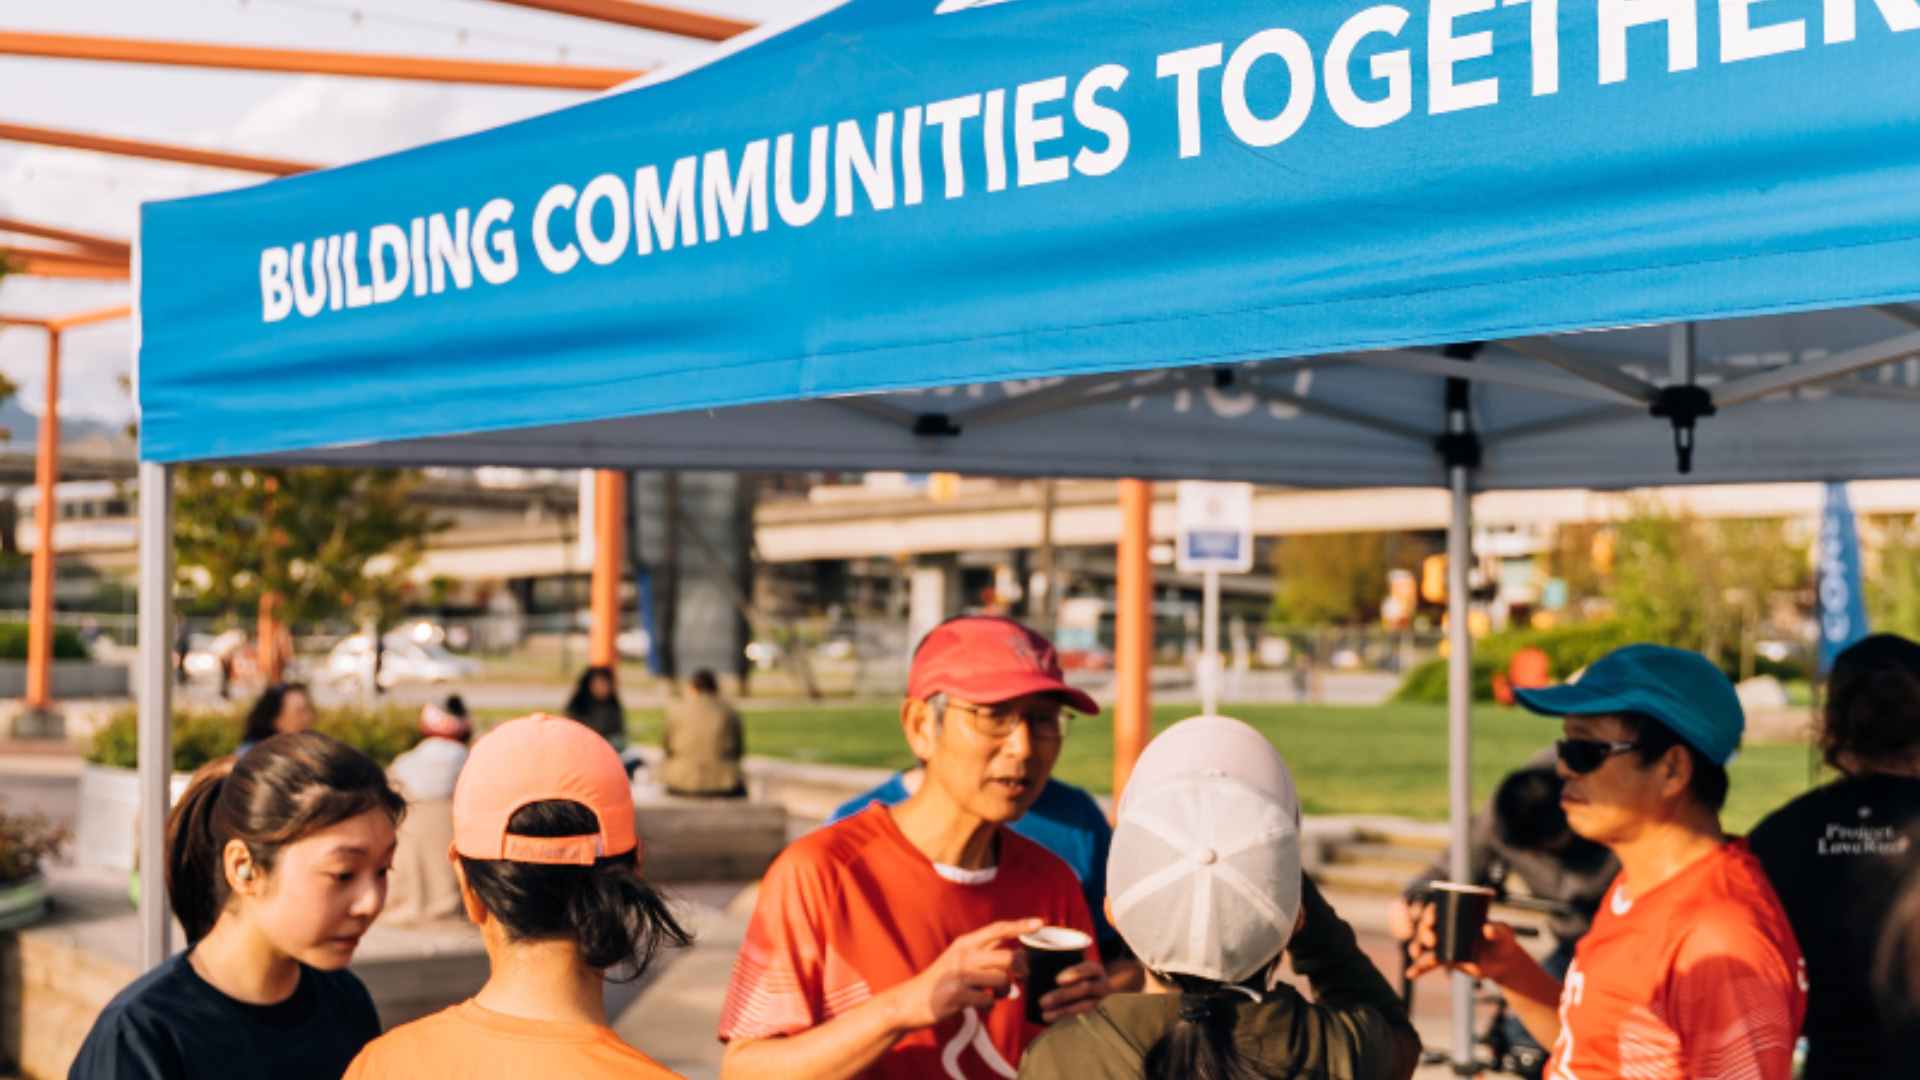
1204 872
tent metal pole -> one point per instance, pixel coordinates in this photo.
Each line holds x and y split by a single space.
1459 699
156 705
1793 376
1683 345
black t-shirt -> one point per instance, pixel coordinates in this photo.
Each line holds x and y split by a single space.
170 1023
1838 856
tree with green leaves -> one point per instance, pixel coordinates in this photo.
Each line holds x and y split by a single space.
1703 584
1893 575
1327 579
300 544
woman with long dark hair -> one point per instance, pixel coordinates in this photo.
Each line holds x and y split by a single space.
281 709
1204 883
549 868
276 865
596 703
1840 854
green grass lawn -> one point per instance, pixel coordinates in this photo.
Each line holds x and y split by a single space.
1390 759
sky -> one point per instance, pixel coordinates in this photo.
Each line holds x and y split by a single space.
319 119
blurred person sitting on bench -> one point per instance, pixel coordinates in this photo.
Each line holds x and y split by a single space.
422 884
703 743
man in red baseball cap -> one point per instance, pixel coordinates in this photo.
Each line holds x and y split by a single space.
886 945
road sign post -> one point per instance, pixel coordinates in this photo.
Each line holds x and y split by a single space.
1215 537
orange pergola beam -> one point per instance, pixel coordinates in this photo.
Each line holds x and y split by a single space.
609 546
184 155
100 244
62 264
87 257
310 62
666 20
89 318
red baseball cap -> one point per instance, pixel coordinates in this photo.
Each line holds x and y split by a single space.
535 759
987 659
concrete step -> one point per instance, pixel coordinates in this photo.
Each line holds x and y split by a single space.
1371 880
1365 853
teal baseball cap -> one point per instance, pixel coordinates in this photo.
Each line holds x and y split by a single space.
1678 687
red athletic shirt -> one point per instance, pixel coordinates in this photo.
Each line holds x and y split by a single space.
1700 979
852 909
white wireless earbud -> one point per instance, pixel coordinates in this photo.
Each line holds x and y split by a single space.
246 871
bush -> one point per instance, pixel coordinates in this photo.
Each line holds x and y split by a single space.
66 643
26 840
1568 649
199 737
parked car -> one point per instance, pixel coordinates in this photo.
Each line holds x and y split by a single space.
404 660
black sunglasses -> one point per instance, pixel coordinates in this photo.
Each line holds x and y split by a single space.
1585 755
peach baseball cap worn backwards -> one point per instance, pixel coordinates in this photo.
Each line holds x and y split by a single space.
536 759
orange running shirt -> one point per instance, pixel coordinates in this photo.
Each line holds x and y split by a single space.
1700 979
852 909
469 1041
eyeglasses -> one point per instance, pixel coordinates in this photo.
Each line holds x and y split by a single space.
1585 755
1044 723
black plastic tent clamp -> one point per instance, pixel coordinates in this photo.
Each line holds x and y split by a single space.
1460 449
935 423
1682 405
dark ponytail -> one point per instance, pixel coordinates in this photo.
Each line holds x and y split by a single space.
278 792
1199 1045
618 922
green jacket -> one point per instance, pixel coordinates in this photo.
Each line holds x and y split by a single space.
1355 1029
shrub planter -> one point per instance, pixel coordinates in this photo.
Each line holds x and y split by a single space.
71 679
22 903
109 809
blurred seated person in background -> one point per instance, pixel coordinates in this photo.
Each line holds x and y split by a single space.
703 743
1207 889
423 885
281 709
1839 854
1690 968
596 703
1524 834
885 946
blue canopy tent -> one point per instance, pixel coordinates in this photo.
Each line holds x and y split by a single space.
1472 243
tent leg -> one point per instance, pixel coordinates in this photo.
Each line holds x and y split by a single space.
1133 631
156 705
1459 697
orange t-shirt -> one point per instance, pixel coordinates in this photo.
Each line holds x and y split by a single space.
466 1040
852 909
1700 979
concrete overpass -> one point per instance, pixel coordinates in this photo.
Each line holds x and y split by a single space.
533 532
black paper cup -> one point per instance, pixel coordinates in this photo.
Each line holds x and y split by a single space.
1050 951
1460 911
